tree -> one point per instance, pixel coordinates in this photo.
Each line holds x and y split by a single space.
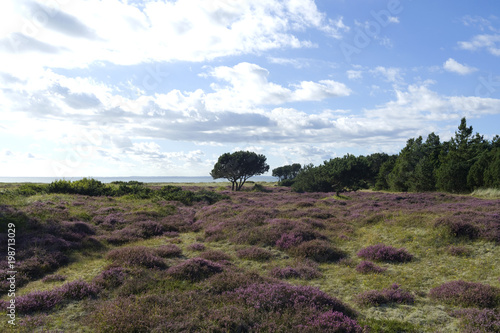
287 173
238 167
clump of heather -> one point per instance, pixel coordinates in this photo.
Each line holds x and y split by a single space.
254 253
306 270
382 252
466 294
366 267
38 301
459 251
215 255
229 280
168 251
284 273
196 247
276 297
318 250
78 290
195 269
331 321
136 256
289 240
476 320
111 277
53 278
389 295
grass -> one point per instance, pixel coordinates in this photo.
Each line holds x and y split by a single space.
489 193
362 219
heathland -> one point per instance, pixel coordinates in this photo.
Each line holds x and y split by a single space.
149 258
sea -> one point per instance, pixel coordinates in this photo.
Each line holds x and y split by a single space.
159 179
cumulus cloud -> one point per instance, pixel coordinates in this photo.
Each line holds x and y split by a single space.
451 65
489 42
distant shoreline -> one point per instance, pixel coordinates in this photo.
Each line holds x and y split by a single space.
158 179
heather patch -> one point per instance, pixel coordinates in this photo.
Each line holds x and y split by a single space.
459 251
168 251
479 320
215 255
276 297
466 294
196 247
381 252
386 296
367 267
110 278
331 321
53 278
306 270
136 256
254 253
195 269
318 250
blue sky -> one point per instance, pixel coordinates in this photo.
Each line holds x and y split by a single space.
162 88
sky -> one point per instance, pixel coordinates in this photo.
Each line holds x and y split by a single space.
121 88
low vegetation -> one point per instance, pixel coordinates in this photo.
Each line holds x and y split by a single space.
142 258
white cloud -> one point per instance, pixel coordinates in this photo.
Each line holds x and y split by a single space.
451 65
390 74
488 42
77 33
354 75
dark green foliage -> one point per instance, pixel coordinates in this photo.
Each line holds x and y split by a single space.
238 167
340 174
287 173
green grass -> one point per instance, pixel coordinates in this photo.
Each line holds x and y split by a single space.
488 193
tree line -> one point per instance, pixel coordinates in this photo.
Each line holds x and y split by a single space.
464 163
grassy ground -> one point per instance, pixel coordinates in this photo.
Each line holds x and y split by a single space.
419 223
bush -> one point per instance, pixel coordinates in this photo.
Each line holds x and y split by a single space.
458 251
466 294
331 321
168 251
195 269
386 296
215 255
271 297
196 247
254 253
110 278
366 267
78 290
304 270
53 278
229 280
475 320
136 256
38 301
381 252
318 250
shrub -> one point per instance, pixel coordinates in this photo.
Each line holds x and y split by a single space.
366 267
195 269
215 255
38 301
53 278
230 280
318 250
475 320
305 270
168 251
386 296
110 278
136 256
254 253
381 252
466 294
331 321
285 273
196 247
78 290
458 250
270 297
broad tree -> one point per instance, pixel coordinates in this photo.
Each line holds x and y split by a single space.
238 167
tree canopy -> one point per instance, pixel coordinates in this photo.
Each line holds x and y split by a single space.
238 167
